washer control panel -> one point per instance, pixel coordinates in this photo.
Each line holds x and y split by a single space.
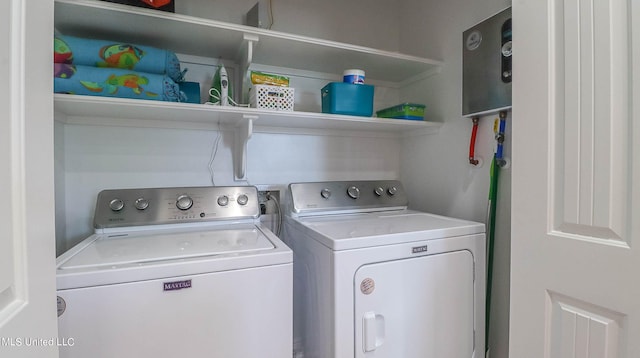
347 195
153 206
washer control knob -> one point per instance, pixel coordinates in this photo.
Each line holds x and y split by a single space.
392 190
116 204
223 200
325 193
141 203
184 202
353 192
242 199
378 191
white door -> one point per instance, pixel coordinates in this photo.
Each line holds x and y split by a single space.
575 279
27 241
421 307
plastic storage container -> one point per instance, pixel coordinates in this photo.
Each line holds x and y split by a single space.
271 97
347 98
353 76
191 90
403 111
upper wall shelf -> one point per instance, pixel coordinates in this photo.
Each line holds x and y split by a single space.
194 36
215 39
157 114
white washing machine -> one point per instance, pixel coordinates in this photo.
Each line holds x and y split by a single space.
176 272
374 279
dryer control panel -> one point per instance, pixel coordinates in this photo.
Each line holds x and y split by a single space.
153 206
364 195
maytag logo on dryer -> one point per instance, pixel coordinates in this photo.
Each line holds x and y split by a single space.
176 285
419 249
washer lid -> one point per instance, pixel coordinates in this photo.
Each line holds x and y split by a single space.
144 247
340 232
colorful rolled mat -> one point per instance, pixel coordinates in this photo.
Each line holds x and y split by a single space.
114 82
113 54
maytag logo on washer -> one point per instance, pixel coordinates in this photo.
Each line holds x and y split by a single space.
176 285
419 249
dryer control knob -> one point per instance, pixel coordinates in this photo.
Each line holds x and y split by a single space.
223 200
325 193
141 203
392 190
116 204
353 192
184 202
242 199
378 191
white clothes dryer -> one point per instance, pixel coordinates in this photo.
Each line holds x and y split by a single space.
375 279
176 272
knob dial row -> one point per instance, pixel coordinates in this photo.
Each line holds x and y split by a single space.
241 200
354 192
183 202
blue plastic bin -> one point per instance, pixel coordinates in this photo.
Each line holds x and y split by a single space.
347 98
191 90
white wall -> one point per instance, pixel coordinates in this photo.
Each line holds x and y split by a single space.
435 169
100 158
372 23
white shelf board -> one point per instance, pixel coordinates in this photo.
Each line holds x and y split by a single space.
215 39
156 114
287 122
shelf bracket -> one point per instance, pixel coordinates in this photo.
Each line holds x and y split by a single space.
242 134
246 61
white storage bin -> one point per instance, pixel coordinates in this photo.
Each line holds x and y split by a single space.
271 97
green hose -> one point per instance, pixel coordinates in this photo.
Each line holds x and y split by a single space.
493 195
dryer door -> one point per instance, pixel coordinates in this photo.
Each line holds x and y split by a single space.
419 307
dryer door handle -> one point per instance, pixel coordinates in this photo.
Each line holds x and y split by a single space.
373 331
